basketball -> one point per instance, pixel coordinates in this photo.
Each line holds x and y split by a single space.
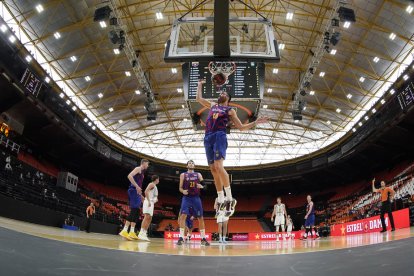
218 79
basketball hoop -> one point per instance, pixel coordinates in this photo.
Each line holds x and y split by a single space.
220 71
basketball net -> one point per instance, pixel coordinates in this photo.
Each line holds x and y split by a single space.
220 71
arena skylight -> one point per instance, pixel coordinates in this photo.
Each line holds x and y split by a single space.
166 146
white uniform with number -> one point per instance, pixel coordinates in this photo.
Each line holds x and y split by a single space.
280 214
153 197
221 217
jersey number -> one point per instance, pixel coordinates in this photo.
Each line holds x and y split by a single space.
192 184
215 116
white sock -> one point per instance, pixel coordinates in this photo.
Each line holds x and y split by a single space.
142 231
182 233
132 230
203 233
228 193
126 228
221 237
220 197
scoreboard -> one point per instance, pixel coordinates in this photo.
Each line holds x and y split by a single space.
406 96
31 83
247 82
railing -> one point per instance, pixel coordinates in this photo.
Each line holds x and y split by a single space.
7 143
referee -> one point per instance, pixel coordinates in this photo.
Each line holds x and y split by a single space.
386 194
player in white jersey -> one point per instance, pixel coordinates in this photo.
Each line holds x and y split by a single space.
289 226
151 197
279 215
222 221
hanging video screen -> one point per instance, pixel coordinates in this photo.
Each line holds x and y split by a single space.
246 81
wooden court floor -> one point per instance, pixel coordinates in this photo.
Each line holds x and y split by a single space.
161 246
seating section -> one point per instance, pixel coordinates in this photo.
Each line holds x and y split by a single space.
35 181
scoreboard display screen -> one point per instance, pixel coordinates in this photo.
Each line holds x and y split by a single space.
31 83
406 96
246 82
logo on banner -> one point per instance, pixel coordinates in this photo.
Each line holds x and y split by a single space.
373 224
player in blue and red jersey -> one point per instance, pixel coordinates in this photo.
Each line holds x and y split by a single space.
190 185
310 220
215 142
135 198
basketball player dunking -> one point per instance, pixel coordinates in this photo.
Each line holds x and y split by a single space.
135 199
310 220
279 212
190 185
215 141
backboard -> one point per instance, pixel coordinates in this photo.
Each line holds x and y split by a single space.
251 39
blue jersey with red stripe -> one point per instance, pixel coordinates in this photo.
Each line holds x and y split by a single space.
190 183
217 119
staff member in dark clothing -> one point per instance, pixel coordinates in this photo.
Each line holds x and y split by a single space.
89 212
386 194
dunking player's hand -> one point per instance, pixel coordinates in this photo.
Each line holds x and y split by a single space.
261 120
185 192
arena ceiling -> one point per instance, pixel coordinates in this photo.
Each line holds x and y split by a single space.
79 57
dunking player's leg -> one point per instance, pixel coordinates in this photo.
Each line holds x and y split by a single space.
225 180
219 186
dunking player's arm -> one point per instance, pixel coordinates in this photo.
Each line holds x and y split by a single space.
238 124
199 96
131 175
310 210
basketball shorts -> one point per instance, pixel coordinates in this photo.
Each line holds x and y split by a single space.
194 202
310 221
215 145
279 220
134 199
146 209
221 218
